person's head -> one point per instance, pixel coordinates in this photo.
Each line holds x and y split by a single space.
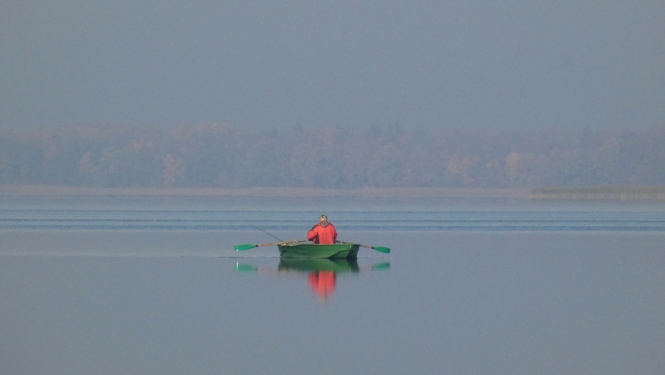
323 220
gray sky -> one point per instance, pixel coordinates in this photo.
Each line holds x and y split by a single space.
503 65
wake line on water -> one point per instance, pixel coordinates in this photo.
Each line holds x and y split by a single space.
117 255
145 256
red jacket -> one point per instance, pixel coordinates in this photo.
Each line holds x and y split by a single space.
322 235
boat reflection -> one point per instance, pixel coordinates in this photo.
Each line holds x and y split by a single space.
321 273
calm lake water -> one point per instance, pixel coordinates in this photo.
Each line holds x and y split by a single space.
153 286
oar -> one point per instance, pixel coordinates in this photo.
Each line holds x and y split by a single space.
247 246
380 249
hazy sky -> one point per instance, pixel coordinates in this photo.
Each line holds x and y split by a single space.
505 65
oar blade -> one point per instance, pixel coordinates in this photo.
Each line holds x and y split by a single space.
381 249
243 247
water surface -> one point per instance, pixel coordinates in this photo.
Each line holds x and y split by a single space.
106 286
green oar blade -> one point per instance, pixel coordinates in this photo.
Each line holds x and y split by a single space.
243 247
381 249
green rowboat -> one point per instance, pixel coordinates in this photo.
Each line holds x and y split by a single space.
315 251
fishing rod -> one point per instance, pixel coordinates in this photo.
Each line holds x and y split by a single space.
266 233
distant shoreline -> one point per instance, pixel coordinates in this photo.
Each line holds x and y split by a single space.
599 193
261 192
595 193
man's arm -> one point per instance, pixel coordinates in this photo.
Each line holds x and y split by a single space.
311 235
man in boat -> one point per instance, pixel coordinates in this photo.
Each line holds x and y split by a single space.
323 233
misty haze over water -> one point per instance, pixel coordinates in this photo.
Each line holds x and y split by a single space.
340 95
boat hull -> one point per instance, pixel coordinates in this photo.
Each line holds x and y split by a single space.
315 251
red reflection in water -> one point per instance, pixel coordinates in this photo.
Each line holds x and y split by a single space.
322 283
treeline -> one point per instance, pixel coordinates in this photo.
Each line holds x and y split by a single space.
615 193
377 156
